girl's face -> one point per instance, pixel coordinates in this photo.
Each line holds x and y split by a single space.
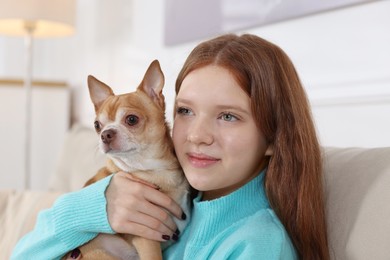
216 138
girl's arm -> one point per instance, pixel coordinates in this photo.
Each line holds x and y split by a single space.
116 204
74 219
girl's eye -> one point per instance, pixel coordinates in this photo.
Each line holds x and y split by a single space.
228 117
183 111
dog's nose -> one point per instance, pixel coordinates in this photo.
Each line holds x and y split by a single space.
108 135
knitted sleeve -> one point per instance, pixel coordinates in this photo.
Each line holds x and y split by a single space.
74 219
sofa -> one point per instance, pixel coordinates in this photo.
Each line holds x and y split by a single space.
357 192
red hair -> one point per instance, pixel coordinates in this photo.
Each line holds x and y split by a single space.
293 181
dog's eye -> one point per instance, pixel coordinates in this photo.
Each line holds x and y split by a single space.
96 124
132 120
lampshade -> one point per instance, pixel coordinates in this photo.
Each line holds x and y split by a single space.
44 18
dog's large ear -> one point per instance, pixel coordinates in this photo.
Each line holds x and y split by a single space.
98 91
153 83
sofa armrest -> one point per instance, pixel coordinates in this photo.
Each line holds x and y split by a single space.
18 213
357 187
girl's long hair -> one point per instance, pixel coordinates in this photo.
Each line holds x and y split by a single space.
293 181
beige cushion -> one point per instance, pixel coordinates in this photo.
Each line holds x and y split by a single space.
18 212
79 161
357 183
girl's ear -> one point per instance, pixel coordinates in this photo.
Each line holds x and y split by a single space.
270 150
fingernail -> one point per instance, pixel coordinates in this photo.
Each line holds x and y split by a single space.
183 216
175 237
166 237
177 232
75 253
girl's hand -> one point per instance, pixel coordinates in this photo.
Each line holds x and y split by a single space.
136 207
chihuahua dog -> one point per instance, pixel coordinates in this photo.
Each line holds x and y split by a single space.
136 138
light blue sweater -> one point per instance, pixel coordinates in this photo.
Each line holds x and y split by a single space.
240 225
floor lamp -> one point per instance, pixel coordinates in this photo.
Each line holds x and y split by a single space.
31 19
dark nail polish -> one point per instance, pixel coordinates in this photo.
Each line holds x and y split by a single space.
177 232
75 253
175 237
183 216
166 237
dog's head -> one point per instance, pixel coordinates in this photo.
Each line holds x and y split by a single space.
130 125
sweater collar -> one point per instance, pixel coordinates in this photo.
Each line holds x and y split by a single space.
216 215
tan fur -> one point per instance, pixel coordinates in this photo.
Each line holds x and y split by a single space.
150 157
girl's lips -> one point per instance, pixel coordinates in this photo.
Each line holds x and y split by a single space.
201 160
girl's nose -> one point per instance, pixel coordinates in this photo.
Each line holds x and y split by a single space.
200 132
